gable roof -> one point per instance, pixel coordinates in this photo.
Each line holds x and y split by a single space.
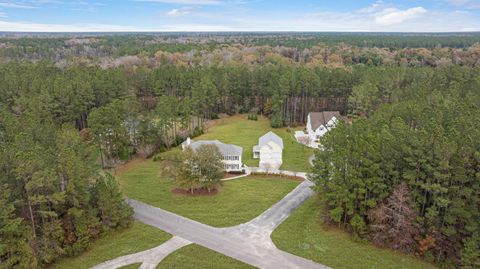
270 136
225 149
321 118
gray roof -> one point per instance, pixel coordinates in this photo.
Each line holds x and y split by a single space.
225 149
270 136
321 118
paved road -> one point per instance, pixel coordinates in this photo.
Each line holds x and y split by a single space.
249 242
149 258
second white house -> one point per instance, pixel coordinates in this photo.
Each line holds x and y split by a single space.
269 150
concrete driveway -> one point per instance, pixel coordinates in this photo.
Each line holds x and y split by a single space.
249 242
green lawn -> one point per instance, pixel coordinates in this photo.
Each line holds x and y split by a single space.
198 257
245 133
238 201
138 238
303 235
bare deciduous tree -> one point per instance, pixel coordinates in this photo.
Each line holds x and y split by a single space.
392 221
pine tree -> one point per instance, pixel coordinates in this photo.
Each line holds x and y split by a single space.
113 211
15 251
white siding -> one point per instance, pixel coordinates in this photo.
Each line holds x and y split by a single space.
232 163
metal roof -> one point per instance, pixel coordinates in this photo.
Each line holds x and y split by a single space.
270 136
225 149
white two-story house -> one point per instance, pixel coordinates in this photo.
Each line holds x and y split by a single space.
232 154
319 123
269 150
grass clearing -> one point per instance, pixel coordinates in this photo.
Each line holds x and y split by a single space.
114 244
198 257
302 234
238 201
245 133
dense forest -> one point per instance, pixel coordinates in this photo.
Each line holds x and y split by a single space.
70 106
407 176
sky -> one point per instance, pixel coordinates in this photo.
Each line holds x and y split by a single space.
239 15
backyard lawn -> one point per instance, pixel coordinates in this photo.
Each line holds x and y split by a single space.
198 257
245 133
238 201
303 235
138 238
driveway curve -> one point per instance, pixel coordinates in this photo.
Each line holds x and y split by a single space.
249 242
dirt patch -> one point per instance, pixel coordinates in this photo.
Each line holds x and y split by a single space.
196 192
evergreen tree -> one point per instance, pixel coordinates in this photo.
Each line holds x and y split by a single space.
113 211
15 251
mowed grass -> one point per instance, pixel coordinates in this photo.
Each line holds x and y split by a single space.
302 234
238 201
198 257
245 133
117 243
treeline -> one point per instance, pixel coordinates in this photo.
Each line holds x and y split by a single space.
125 111
368 40
53 201
407 176
57 204
131 110
322 49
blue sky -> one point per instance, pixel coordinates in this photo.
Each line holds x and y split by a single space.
239 15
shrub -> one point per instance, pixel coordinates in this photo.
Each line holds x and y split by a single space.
252 117
157 158
196 132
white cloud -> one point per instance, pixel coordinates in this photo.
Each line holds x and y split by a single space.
39 27
76 28
15 5
465 3
176 12
3 15
378 17
184 2
27 4
391 16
